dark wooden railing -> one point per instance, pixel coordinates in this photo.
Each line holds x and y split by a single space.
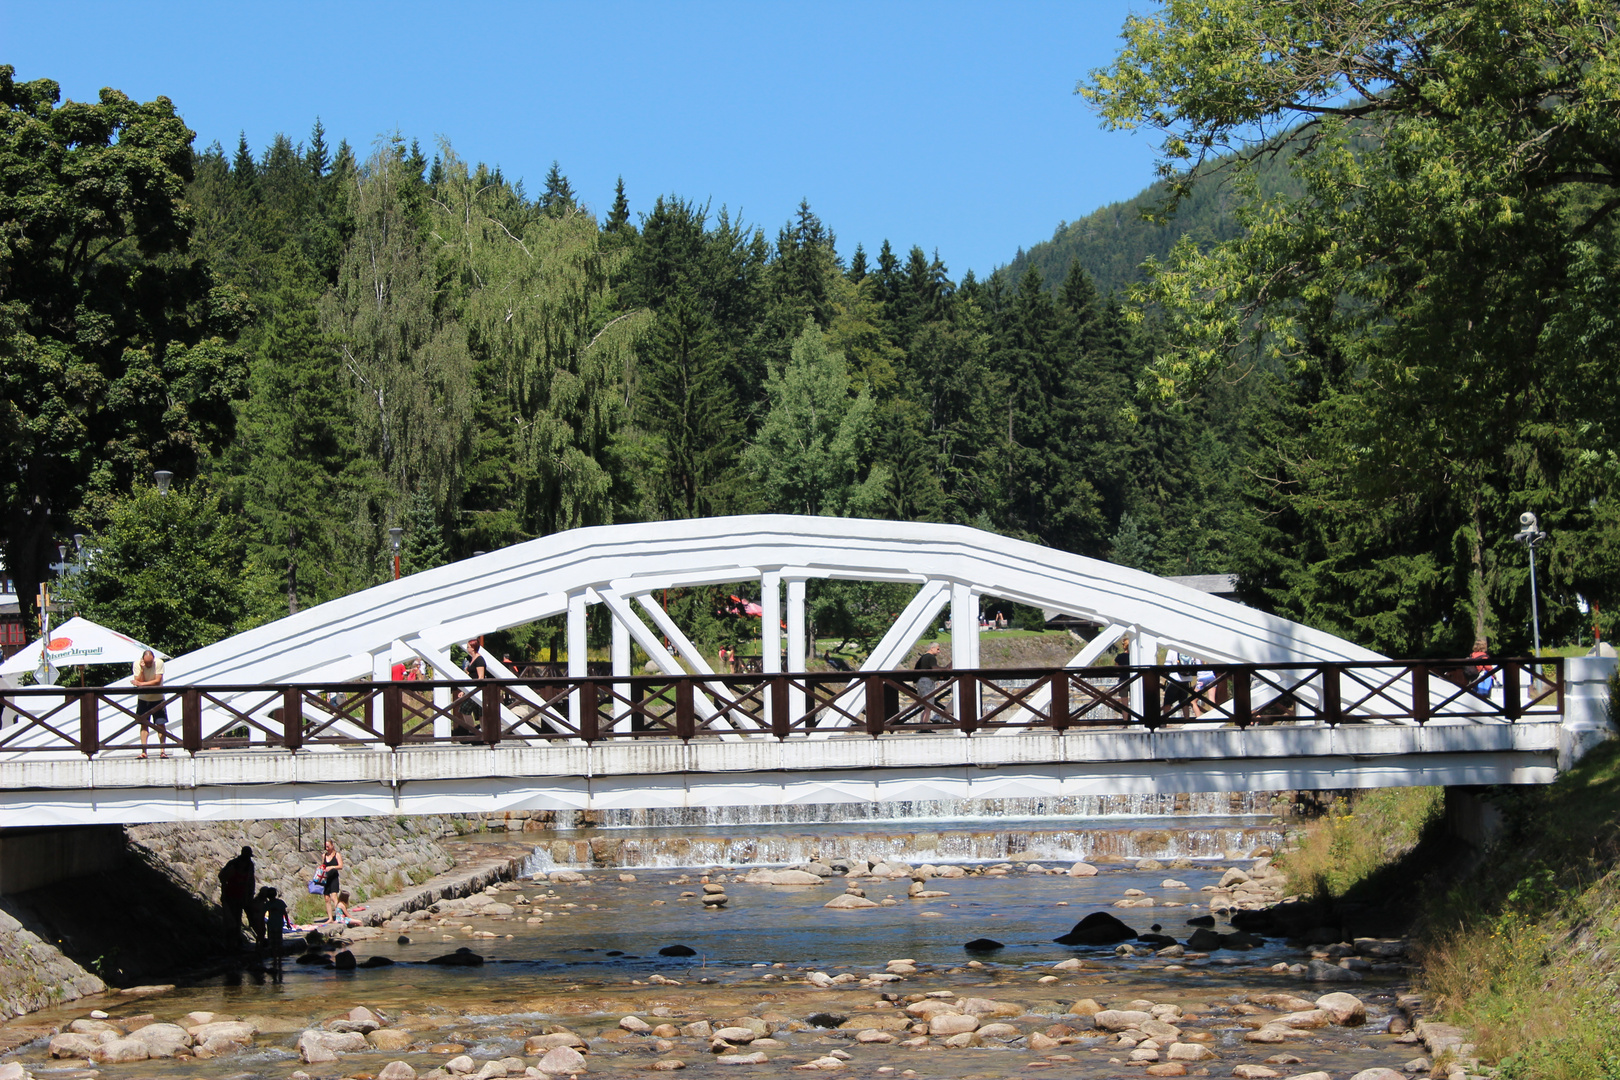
602 708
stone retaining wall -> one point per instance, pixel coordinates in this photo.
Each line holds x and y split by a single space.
380 855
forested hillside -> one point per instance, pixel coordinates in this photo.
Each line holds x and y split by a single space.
415 341
1112 243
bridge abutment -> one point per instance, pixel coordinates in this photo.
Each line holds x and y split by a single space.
35 858
1586 706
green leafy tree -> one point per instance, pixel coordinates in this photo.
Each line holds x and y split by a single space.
116 353
172 570
1451 216
813 452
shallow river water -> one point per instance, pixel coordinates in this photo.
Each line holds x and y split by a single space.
583 955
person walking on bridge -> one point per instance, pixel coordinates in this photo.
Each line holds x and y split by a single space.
150 711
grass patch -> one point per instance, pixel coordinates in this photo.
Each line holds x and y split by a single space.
1358 850
1523 951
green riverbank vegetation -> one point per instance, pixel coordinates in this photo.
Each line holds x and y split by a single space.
1519 944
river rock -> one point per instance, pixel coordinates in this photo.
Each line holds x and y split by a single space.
1082 869
1121 1019
927 1007
539 1044
1379 1073
562 1059
120 1051
397 1070
13 1070
462 957
873 1035
73 1045
93 1027
1268 1035
983 944
951 1023
1180 1051
1204 939
388 1039
1001 1031
460 1065
1346 1009
1168 1068
1254 1072
1085 1007
755 1058
239 1031
635 1025
314 1044
1322 971
782 877
1309 1020
667 1065
677 950
1232 877
736 1034
1098 928
162 1040
848 902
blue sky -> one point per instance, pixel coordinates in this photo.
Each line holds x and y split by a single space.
949 125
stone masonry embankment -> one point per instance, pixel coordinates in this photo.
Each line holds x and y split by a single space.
381 855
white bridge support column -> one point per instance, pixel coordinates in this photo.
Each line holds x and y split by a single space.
770 628
797 650
621 668
578 650
964 641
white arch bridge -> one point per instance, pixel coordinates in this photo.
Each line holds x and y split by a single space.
299 718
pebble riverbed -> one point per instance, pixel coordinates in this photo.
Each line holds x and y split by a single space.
773 981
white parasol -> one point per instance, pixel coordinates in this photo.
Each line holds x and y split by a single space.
76 642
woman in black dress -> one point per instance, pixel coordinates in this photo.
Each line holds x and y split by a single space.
331 863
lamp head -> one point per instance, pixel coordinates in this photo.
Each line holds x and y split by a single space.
164 478
394 536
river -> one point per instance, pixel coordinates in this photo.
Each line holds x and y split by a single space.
582 954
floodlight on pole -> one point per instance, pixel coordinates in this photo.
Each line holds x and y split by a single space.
395 535
1531 535
164 478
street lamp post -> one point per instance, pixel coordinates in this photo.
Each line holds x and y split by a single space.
163 477
394 536
1531 535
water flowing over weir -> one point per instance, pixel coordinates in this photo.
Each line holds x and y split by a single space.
1106 828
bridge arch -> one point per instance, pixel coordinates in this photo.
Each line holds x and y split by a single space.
624 566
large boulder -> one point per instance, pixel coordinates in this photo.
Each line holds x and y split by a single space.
71 1044
1121 1019
397 1070
1346 1009
162 1040
238 1031
849 902
783 877
562 1059
947 1023
120 1051
389 1039
1098 928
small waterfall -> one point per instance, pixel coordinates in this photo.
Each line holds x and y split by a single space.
1038 842
1199 804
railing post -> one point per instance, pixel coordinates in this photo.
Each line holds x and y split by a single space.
876 699
1512 698
393 696
781 722
967 692
191 720
1420 693
89 724
1332 700
1152 704
490 714
292 718
638 708
1242 696
1059 710
590 705
685 710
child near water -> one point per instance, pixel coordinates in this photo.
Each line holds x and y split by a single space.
275 917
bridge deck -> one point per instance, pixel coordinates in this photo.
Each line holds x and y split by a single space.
70 756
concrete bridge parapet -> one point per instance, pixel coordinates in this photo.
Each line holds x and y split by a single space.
1586 706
